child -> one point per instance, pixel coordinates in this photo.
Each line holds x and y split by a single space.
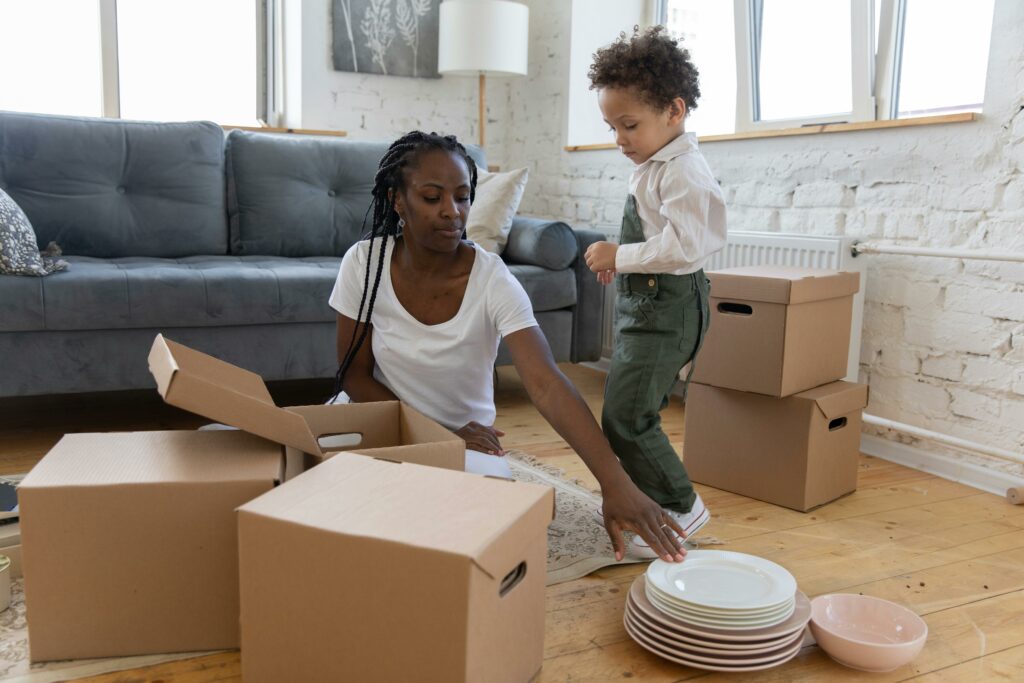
674 221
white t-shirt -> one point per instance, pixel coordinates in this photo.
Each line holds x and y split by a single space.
445 371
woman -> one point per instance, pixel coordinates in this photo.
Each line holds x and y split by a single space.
442 306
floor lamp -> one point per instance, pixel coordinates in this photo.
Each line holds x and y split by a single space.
483 38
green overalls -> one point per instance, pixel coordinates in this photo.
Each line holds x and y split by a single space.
660 322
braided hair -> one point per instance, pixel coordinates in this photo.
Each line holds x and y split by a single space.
387 183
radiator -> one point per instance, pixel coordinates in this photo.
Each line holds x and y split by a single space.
769 248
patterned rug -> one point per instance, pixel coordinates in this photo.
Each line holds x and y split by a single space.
577 546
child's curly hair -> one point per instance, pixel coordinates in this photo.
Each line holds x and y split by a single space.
652 63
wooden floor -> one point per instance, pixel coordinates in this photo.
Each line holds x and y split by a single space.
952 554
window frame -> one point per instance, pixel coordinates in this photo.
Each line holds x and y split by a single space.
268 61
875 64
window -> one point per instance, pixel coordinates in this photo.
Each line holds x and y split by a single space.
938 73
707 31
163 60
174 66
798 62
50 57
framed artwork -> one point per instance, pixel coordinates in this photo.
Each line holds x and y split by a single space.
389 37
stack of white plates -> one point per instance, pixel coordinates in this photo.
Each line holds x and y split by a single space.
718 610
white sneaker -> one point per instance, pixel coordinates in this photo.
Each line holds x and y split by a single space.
691 522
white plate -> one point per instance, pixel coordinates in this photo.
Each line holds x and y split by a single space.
718 623
713 612
724 579
707 644
648 644
797 622
684 644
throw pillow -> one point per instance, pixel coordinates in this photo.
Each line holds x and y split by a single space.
19 253
497 199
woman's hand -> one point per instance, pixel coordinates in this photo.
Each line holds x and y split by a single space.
481 438
628 508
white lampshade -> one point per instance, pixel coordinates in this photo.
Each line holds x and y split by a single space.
483 36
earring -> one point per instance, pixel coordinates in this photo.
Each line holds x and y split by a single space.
401 222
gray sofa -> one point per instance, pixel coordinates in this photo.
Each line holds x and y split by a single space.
229 244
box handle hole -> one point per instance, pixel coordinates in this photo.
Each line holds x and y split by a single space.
339 442
837 423
735 309
512 579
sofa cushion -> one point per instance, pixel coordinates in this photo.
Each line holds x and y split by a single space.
197 291
110 188
299 195
548 290
541 242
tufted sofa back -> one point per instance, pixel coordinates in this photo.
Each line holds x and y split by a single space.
297 195
110 188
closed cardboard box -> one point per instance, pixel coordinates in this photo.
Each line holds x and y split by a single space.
129 541
367 570
777 330
798 452
230 395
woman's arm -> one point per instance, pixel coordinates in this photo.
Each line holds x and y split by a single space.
360 384
625 505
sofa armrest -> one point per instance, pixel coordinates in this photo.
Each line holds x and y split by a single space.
540 242
588 322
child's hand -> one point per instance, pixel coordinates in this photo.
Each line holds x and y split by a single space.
606 277
601 256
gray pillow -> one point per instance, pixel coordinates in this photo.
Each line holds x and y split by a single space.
19 253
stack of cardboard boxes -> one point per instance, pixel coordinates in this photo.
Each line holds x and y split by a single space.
386 562
765 415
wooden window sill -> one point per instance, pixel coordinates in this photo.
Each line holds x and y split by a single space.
815 130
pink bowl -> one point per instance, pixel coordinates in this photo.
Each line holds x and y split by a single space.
866 633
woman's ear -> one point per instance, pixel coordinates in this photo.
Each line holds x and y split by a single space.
395 199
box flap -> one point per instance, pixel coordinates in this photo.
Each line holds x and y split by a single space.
415 505
782 284
166 457
224 393
838 398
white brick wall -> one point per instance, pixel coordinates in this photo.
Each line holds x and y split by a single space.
943 344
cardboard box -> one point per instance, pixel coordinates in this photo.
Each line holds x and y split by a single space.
228 394
369 570
129 541
777 330
799 452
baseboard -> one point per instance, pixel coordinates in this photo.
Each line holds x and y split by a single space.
940 464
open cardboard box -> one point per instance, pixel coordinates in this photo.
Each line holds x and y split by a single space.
371 570
130 541
777 330
799 452
226 393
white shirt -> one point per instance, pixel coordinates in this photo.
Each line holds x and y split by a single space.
445 371
681 209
